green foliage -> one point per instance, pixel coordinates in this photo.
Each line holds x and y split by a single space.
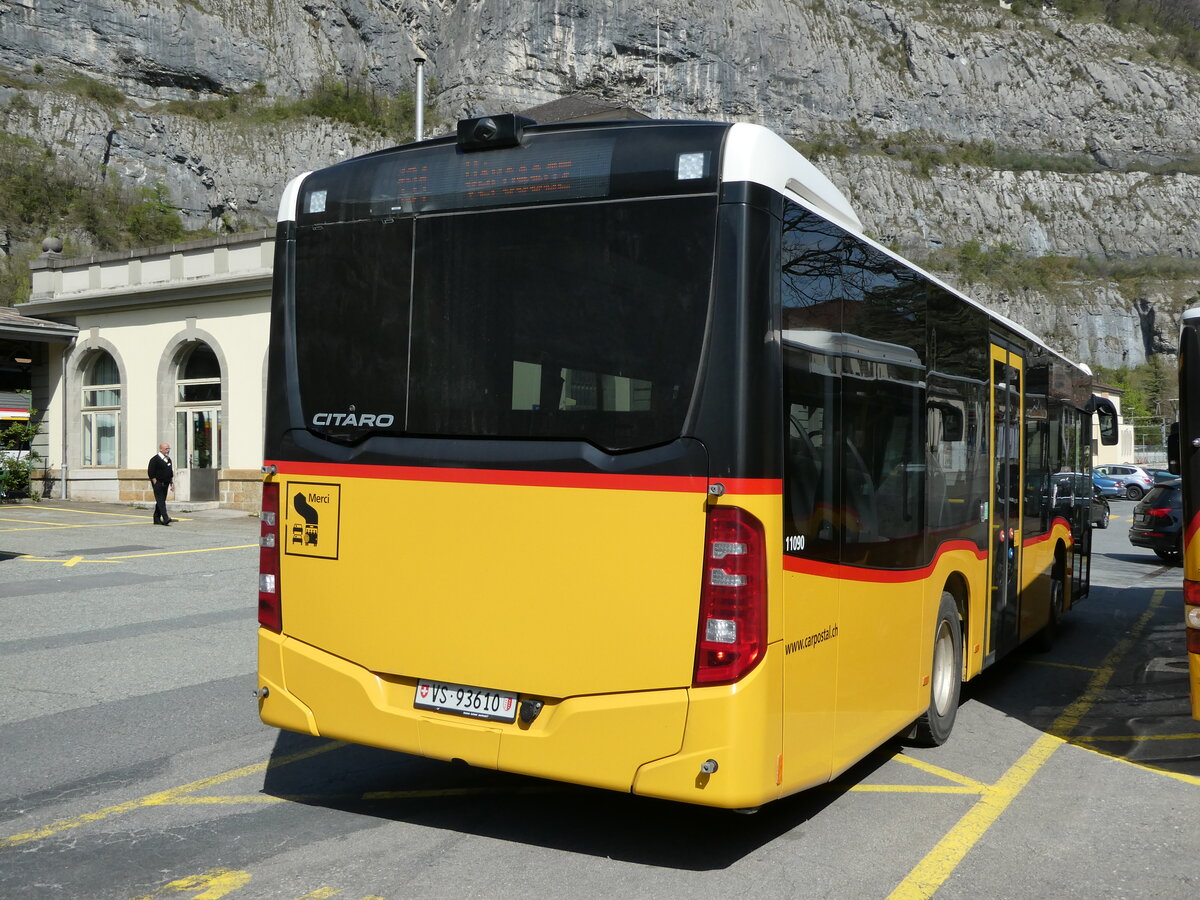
39 196
18 459
1178 21
89 88
151 218
1150 396
226 107
1003 268
347 100
926 152
351 102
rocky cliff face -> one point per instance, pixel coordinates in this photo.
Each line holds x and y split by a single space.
854 74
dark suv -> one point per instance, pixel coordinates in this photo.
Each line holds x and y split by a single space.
1158 522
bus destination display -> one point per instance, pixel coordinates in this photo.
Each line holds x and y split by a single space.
448 179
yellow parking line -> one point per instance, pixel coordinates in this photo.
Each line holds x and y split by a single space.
68 563
161 798
932 871
914 789
1145 767
940 772
56 526
83 512
182 552
1134 738
1058 665
224 800
75 560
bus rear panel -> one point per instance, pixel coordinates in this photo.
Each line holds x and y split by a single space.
614 454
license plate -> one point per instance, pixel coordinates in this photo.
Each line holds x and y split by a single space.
464 700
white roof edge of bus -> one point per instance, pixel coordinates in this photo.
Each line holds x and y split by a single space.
754 153
287 201
1193 313
990 313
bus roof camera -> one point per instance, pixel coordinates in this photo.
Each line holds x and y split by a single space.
492 132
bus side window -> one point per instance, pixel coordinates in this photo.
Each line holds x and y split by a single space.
810 515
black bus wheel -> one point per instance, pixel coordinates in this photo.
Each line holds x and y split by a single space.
1043 641
945 677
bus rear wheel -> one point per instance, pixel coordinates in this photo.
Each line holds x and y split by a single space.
945 677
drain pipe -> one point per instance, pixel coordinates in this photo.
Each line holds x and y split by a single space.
420 127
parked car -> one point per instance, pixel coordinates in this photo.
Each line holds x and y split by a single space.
1158 521
1108 487
1137 480
1072 488
1160 475
1099 512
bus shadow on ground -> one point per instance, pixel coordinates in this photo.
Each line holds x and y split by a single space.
1135 696
455 797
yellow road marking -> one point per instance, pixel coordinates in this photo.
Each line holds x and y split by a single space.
217 883
182 552
30 524
1058 665
940 772
55 526
1135 738
224 800
82 512
914 789
932 871
163 798
74 560
69 563
1145 767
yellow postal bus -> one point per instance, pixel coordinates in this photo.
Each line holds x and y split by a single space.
615 453
1185 453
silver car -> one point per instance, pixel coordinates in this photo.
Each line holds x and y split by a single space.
1137 480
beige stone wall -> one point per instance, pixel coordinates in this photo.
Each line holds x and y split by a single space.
240 489
133 486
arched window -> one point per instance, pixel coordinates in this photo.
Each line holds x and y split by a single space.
101 408
198 409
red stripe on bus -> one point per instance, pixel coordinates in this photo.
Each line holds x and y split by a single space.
593 480
877 576
1192 528
1042 538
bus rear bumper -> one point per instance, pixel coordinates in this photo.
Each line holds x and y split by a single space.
1194 672
600 740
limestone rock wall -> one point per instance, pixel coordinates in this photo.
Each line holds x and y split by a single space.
945 72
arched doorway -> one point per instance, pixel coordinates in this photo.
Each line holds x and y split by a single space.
198 419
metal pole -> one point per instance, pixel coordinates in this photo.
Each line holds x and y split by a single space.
420 128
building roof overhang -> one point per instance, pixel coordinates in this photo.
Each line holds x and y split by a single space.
17 327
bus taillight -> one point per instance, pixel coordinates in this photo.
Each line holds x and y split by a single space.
270 613
733 598
1191 613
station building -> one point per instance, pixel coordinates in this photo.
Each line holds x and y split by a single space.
127 350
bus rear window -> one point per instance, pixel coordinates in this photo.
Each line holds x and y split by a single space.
580 322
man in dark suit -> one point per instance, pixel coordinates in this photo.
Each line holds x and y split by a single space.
161 474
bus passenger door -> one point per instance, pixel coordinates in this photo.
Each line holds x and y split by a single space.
1005 512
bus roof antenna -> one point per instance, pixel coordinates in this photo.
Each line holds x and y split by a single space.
420 104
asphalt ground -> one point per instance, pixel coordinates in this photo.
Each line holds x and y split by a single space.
135 765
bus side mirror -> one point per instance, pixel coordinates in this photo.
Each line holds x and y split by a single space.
951 420
1173 463
1106 412
1108 427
